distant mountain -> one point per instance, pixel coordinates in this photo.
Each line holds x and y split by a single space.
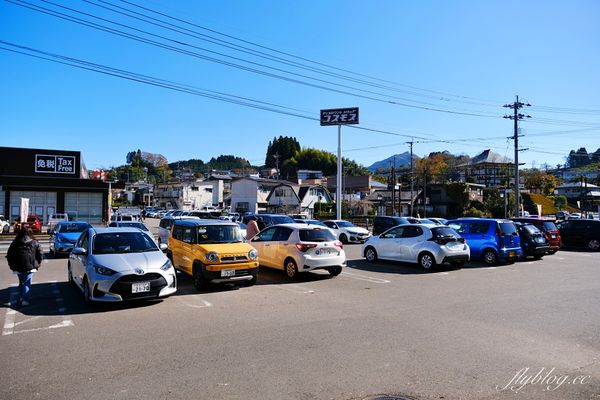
402 160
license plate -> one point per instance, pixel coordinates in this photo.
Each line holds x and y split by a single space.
140 287
324 252
553 235
511 254
227 273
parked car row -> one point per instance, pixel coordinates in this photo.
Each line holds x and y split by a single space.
123 261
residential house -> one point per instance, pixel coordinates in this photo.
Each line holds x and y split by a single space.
488 169
189 195
438 203
292 198
250 194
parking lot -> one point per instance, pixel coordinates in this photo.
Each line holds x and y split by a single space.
378 328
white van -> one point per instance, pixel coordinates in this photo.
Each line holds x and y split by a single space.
56 218
164 227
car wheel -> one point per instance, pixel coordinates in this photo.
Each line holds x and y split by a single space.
334 271
371 254
490 257
199 281
552 252
343 238
87 294
291 269
427 261
594 244
457 264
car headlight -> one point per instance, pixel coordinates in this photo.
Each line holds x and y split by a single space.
167 266
212 257
100 270
253 254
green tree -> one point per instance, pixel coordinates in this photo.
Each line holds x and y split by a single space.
459 194
285 148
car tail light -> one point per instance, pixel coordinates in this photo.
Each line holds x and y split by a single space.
303 247
338 244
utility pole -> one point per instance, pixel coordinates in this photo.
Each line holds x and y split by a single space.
393 186
411 177
276 157
516 117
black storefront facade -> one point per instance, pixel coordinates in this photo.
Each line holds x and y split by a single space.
53 181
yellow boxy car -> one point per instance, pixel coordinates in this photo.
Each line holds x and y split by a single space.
212 251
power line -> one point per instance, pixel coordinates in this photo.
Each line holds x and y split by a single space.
489 102
227 63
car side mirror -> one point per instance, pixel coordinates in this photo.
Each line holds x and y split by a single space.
79 251
163 247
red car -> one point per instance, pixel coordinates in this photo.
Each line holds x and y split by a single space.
33 221
549 228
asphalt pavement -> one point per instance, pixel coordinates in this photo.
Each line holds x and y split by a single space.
529 330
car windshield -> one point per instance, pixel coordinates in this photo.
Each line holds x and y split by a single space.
314 222
281 219
72 228
122 242
138 225
219 234
316 235
549 226
345 224
507 228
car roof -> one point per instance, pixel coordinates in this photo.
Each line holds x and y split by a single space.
297 225
337 220
116 230
73 222
198 222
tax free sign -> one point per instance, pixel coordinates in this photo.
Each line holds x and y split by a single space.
55 164
339 116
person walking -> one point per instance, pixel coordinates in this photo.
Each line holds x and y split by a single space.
251 228
24 257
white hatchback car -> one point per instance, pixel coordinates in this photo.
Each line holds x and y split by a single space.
347 232
425 245
298 248
116 264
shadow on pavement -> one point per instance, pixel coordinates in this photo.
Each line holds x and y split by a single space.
395 267
43 301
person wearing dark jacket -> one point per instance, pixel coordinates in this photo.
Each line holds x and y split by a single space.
24 258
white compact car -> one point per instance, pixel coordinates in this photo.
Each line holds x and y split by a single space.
425 245
298 248
116 264
164 228
347 232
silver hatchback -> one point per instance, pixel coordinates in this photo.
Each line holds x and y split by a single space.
116 264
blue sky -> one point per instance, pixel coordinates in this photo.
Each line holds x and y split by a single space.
461 56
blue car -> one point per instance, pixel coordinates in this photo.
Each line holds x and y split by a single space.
491 240
64 236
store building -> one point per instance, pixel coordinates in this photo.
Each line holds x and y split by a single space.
54 181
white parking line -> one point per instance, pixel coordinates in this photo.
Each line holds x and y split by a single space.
365 278
294 288
204 304
9 319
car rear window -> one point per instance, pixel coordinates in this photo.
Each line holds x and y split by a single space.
281 219
550 226
316 235
444 232
507 228
531 229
